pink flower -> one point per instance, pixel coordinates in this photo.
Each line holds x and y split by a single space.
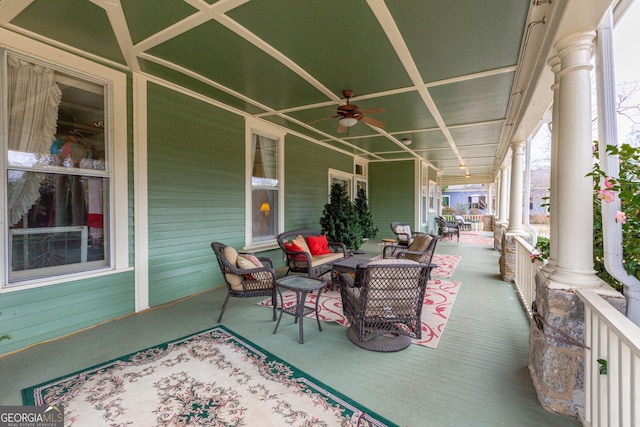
621 217
608 182
606 196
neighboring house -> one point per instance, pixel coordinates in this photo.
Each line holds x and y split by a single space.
466 199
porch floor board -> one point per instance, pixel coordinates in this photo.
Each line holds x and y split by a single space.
478 375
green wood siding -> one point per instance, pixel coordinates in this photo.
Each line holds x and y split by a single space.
40 314
196 192
307 181
392 194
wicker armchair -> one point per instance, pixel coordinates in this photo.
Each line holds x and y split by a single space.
403 233
383 303
303 261
245 282
447 229
462 223
421 250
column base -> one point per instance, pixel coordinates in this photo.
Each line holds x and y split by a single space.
508 259
575 278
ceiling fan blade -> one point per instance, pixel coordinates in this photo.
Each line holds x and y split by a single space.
322 119
373 122
374 110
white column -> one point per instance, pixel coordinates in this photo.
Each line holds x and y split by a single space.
554 63
515 202
574 189
504 189
490 199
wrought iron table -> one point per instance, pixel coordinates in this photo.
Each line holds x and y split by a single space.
301 285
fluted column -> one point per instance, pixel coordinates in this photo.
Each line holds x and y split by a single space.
554 63
504 189
490 199
515 199
574 189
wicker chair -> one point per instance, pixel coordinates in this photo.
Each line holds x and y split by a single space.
421 250
383 303
403 233
462 223
243 283
304 262
447 229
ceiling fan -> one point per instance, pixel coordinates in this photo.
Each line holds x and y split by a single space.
350 115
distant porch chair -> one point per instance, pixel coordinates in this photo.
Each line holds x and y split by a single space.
447 229
463 224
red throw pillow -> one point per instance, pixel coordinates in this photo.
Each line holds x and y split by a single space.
295 248
318 245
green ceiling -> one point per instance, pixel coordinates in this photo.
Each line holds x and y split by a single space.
442 70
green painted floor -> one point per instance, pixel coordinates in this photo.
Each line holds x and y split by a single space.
478 375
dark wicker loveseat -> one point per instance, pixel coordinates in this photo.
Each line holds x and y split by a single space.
383 303
306 262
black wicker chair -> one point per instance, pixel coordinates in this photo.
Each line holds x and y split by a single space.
403 233
447 229
383 303
304 262
243 283
421 250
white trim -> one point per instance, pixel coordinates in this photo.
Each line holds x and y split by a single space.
261 127
341 175
141 195
116 134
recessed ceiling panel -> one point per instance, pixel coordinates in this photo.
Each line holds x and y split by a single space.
339 42
143 24
403 111
197 86
80 24
477 134
455 38
218 54
374 144
474 101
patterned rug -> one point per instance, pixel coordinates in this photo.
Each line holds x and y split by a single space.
438 301
474 238
446 264
211 378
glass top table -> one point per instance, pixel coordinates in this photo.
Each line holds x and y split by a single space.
302 286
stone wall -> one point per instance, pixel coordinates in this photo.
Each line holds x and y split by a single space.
556 345
508 257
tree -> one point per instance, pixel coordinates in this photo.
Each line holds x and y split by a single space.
339 219
365 218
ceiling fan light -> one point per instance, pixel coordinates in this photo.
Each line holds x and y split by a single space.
406 141
348 121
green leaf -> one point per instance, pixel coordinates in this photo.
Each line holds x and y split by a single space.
603 366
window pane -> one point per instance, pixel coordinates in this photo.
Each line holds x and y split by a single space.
57 175
265 214
64 226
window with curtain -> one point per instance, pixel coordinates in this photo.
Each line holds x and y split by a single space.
57 171
265 188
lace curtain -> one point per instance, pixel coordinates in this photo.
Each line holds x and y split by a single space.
34 98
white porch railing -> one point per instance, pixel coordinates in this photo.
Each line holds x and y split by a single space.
525 275
477 221
612 344
611 364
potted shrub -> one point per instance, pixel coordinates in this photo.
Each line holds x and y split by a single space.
339 219
365 218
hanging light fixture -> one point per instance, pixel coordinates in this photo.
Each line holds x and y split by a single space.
348 121
406 141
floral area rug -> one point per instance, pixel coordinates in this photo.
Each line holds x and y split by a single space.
211 378
438 302
475 238
446 264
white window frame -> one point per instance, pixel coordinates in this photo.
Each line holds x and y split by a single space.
433 196
269 130
116 134
342 176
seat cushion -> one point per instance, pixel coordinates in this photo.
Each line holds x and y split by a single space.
323 259
234 280
420 244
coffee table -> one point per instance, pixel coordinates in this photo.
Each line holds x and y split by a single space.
346 265
301 285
